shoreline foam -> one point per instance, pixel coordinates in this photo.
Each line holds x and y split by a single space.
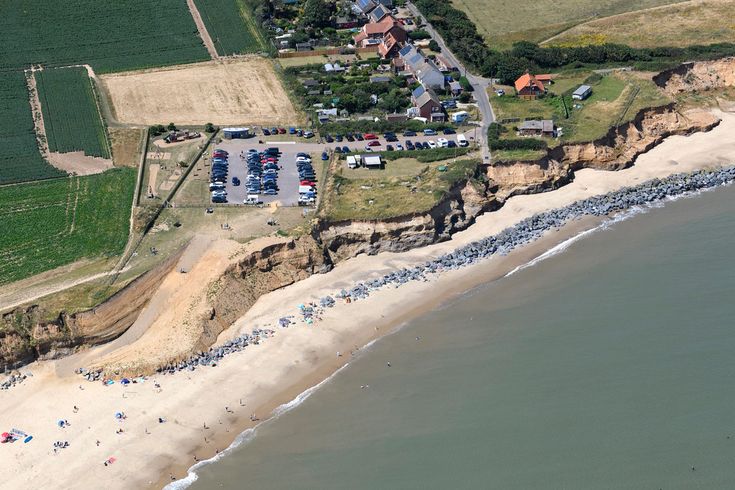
276 372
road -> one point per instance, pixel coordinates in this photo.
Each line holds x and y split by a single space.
479 84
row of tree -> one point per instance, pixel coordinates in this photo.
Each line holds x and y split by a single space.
461 35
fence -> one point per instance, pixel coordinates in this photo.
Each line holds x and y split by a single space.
322 52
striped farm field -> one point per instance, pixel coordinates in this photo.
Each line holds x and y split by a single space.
231 26
20 159
52 223
70 115
109 35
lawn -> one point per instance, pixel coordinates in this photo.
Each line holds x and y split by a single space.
20 159
109 35
321 59
51 223
404 187
685 24
232 27
503 22
616 98
70 115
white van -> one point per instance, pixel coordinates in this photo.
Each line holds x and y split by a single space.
462 141
305 189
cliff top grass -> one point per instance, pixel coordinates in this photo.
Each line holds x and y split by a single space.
683 24
404 187
616 98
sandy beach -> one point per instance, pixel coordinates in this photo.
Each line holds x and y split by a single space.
257 380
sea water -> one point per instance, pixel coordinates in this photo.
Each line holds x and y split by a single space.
610 365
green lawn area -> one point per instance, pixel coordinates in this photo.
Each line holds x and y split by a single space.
232 26
517 155
321 59
405 186
616 98
52 223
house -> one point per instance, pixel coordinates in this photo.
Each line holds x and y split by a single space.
537 128
582 92
373 162
386 3
531 86
309 83
378 13
343 22
364 6
425 71
455 87
387 31
427 105
395 117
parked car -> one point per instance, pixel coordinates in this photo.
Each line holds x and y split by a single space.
409 133
325 155
337 149
266 132
345 149
235 181
409 145
389 147
308 134
328 138
370 136
451 144
338 138
429 132
399 147
281 130
359 137
252 201
448 131
441 142
374 143
291 130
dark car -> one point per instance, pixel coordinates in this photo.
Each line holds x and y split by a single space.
338 137
235 181
449 131
281 130
345 149
266 132
337 149
359 137
389 147
329 138
349 137
409 145
409 133
451 144
325 156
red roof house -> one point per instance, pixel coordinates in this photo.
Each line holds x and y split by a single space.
531 86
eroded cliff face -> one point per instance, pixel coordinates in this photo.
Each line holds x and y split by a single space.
456 211
615 151
272 267
25 336
698 76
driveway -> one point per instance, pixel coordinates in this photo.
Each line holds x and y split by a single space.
479 84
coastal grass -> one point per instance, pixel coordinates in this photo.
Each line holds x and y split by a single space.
616 98
52 223
502 23
405 187
696 22
517 155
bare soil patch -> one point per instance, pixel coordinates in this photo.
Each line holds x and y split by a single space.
234 91
76 162
127 144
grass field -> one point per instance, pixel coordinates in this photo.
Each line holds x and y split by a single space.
503 22
615 99
70 114
20 159
405 186
52 223
685 24
232 27
109 35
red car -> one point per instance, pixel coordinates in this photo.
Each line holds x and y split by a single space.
281 130
370 136
307 182
374 143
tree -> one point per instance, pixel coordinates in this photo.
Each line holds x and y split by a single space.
209 128
317 14
171 126
394 101
434 46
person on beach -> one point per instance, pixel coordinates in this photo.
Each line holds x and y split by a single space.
76 409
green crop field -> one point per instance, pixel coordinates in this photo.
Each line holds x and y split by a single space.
19 156
52 223
70 114
232 27
110 35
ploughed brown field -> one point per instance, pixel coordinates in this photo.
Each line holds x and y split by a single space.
240 91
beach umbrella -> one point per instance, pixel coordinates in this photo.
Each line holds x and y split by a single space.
118 415
125 381
61 423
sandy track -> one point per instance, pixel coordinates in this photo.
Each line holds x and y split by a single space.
203 32
227 91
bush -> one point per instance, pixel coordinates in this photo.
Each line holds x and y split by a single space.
434 46
418 35
380 126
209 128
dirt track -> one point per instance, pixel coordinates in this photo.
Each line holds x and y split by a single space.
234 91
203 33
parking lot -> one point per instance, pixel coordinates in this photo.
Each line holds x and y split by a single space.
288 176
